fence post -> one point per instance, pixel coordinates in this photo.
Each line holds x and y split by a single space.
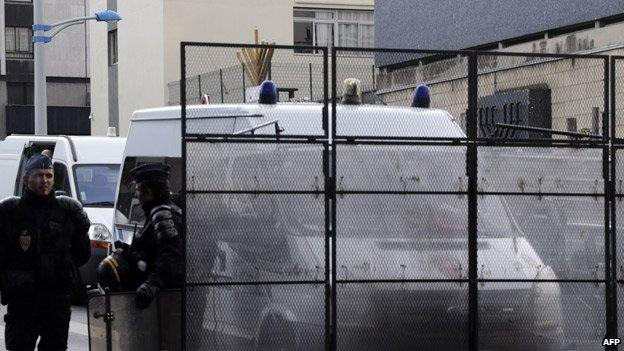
183 133
243 73
373 75
270 70
609 206
471 170
332 164
199 86
221 82
310 70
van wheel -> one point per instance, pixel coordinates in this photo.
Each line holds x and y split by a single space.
277 334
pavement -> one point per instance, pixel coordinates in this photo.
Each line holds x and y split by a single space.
78 329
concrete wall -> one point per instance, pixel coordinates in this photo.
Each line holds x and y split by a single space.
459 24
235 22
66 55
3 102
150 59
336 4
141 64
231 21
2 49
98 56
576 86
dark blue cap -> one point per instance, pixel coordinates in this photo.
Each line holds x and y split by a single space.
155 172
38 162
422 97
268 93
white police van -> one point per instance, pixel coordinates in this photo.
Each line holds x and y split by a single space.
86 168
254 237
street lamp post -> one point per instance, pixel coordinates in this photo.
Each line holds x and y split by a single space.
39 40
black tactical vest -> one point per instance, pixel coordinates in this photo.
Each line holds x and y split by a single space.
39 253
155 232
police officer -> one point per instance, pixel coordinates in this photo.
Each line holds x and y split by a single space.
43 238
155 257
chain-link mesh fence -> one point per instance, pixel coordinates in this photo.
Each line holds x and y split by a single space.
256 233
553 197
473 220
617 172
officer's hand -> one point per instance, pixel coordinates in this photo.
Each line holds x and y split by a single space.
145 294
122 247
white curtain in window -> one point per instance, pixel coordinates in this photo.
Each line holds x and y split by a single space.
324 34
367 36
348 34
9 36
361 16
324 15
23 39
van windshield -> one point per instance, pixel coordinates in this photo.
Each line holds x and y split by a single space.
128 210
96 183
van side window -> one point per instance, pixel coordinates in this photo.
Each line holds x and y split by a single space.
61 180
129 210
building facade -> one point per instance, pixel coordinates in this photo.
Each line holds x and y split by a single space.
141 68
575 88
67 69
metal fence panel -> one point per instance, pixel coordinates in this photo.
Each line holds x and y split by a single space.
256 317
256 231
402 316
565 94
463 226
155 328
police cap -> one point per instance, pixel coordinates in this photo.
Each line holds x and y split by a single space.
155 172
38 162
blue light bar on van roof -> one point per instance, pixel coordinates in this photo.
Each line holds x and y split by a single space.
268 93
422 96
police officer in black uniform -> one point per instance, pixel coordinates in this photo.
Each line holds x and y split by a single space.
155 256
43 238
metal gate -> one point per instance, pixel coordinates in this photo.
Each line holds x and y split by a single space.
351 229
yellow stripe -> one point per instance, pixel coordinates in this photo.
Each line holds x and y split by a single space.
113 265
113 261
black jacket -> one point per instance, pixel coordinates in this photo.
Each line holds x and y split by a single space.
158 245
42 239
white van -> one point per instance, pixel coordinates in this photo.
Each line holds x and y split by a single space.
85 168
257 237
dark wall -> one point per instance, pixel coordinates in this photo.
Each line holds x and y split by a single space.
20 119
461 24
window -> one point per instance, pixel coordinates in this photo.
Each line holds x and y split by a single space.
325 27
112 47
18 42
61 181
20 93
129 211
96 184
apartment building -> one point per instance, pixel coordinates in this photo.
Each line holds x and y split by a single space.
67 69
136 62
